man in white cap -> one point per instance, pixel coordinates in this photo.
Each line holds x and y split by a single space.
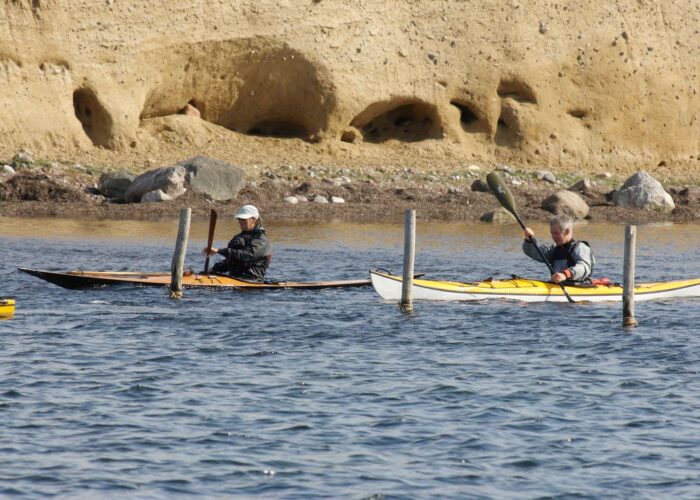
249 253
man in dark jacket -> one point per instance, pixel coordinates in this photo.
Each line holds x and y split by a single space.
571 260
249 253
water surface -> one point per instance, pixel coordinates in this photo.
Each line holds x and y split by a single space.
122 391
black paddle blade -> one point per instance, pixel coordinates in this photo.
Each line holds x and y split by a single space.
212 221
500 190
210 237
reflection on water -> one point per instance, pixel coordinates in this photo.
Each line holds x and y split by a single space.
429 234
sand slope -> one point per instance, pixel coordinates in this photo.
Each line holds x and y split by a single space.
569 86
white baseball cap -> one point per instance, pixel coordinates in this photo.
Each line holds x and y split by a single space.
246 212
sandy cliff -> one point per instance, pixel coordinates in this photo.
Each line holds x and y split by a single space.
565 85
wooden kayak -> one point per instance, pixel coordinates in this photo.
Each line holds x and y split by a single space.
389 288
7 307
96 279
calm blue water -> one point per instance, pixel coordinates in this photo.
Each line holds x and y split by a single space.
298 394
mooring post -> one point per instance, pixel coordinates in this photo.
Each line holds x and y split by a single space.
179 256
628 318
409 259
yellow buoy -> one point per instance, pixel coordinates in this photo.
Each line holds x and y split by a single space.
7 308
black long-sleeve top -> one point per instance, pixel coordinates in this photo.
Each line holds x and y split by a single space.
248 254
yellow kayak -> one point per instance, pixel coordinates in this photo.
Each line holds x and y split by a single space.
7 307
389 288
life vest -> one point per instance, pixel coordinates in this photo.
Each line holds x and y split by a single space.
564 253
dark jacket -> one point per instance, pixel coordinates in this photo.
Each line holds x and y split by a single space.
575 256
248 255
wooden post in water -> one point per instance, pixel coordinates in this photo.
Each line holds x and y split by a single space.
179 255
628 319
409 258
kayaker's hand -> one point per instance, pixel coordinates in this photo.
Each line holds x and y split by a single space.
558 277
212 251
529 233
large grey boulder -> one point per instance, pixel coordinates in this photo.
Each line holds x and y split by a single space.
546 175
170 180
115 185
480 186
566 202
498 216
215 179
155 197
583 186
643 191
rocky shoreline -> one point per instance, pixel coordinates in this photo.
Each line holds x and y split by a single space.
52 189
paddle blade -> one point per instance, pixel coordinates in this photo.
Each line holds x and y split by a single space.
500 190
210 238
212 225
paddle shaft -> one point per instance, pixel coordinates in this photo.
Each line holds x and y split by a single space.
503 195
537 246
210 238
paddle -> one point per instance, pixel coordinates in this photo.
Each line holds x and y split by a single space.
500 190
210 239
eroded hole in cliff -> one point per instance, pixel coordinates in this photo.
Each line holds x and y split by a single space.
96 121
518 90
408 122
283 95
469 117
508 128
466 115
278 129
578 113
196 104
251 86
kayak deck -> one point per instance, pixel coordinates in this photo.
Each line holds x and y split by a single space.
95 279
389 288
